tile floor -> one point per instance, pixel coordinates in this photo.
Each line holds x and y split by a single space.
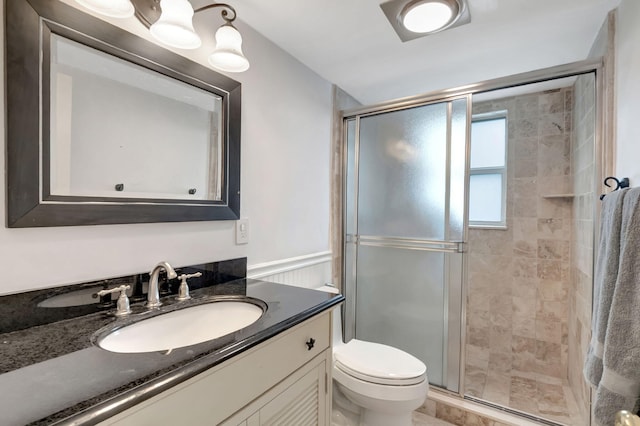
534 393
421 419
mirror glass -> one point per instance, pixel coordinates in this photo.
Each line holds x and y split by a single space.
122 130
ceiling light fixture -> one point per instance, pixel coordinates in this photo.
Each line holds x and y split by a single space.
171 23
416 18
427 16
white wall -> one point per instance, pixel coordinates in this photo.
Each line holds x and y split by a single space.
628 91
286 129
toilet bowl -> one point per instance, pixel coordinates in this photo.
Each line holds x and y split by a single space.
382 385
385 382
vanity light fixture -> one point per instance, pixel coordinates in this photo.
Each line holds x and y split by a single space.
171 23
416 18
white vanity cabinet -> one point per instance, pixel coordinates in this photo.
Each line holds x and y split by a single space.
282 381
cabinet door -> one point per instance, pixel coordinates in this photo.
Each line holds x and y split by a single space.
302 404
254 420
301 399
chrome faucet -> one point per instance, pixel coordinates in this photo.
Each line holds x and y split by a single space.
153 295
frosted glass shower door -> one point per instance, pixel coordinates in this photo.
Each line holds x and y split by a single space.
405 230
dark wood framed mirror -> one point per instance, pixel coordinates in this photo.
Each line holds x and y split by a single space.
104 127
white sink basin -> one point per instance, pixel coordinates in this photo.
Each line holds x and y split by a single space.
183 327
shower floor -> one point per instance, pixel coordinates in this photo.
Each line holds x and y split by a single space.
543 396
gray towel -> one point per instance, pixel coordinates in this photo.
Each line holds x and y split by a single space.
606 272
613 362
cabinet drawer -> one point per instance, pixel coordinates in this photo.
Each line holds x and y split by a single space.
214 395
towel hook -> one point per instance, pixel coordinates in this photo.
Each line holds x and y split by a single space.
624 183
620 184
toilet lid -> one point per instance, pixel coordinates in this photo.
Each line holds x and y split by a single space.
378 363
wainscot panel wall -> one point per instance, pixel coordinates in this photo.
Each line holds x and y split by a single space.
310 271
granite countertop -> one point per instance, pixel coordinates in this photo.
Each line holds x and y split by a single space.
54 374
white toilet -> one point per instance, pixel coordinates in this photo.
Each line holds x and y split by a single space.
374 384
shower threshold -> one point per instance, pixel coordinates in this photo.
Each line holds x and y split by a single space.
486 409
520 414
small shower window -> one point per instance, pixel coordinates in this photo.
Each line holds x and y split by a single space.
488 172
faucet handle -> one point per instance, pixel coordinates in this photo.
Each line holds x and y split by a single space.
187 276
183 291
122 306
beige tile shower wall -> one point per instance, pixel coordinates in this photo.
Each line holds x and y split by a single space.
583 163
519 277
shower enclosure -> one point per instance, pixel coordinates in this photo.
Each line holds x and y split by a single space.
496 306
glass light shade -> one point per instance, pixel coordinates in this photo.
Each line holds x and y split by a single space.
228 55
110 8
175 26
427 16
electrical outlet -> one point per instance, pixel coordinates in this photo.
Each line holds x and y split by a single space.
242 231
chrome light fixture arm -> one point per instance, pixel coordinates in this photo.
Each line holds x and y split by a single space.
149 11
224 12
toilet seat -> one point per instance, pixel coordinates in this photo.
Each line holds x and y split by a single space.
355 389
379 364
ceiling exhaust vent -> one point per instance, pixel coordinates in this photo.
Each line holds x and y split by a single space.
413 19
